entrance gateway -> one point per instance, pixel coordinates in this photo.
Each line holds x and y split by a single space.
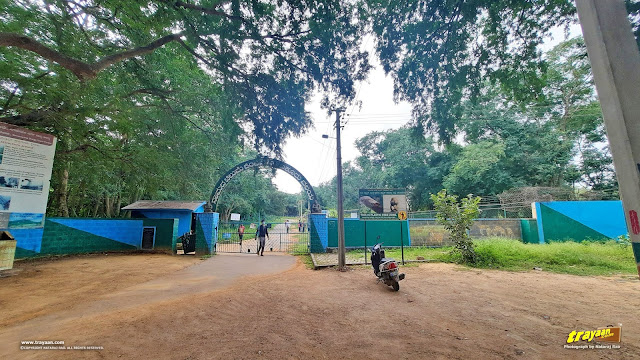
295 239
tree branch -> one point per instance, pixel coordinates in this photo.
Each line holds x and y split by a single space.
209 11
28 119
81 69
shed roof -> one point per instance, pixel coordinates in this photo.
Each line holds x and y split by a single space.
164 205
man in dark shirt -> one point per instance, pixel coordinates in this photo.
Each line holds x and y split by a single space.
261 233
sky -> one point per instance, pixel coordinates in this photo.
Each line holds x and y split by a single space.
315 157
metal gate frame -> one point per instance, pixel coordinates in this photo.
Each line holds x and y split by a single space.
292 242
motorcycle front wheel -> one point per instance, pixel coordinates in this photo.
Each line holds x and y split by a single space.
395 286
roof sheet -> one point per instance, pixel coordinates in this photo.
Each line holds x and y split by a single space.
164 205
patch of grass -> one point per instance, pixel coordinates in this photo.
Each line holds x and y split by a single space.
585 258
205 257
306 260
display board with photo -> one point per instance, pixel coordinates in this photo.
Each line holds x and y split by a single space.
382 203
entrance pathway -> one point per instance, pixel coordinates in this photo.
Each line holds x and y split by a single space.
214 273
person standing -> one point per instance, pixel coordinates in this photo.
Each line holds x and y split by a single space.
286 225
261 233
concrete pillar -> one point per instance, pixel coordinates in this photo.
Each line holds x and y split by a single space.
615 61
206 232
318 232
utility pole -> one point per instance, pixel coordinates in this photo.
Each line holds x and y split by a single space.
615 62
341 248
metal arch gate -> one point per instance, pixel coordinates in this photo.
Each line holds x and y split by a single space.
294 240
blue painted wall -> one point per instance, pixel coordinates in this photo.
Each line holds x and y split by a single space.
81 235
318 232
206 232
580 220
183 216
123 231
28 239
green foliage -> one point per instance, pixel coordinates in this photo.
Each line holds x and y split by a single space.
161 125
477 163
590 258
438 51
587 259
557 140
457 218
266 58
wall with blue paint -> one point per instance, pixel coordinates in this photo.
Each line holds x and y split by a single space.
318 232
206 232
183 216
73 236
579 220
123 231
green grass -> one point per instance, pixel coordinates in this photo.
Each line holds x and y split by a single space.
585 258
306 259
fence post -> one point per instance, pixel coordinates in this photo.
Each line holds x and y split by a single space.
402 241
365 241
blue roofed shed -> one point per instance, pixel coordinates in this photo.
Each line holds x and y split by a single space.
181 210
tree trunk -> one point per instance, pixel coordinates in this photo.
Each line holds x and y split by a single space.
118 205
107 205
63 208
96 207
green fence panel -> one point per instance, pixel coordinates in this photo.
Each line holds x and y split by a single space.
354 233
529 231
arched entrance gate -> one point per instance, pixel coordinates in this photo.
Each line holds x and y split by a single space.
286 237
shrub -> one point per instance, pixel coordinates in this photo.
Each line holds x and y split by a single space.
457 217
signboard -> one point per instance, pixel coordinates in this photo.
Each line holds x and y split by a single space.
382 203
235 217
26 160
402 215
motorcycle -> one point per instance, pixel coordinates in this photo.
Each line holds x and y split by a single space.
385 269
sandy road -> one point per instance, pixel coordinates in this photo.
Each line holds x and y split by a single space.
275 309
204 277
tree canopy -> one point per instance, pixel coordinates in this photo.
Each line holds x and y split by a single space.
441 53
556 140
265 57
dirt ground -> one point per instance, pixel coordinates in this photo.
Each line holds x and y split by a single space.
441 311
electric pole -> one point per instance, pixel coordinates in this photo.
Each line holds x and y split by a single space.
615 62
341 249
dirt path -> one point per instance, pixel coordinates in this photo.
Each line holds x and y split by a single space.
441 311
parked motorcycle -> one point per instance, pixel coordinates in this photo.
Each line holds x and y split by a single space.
385 269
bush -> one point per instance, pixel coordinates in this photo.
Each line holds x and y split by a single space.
457 218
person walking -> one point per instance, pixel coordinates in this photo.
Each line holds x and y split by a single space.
261 233
240 234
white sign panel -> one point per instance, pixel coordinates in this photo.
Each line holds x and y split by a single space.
26 161
235 217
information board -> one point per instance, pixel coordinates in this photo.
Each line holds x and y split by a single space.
26 161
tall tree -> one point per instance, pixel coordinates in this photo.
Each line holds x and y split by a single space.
439 52
267 56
